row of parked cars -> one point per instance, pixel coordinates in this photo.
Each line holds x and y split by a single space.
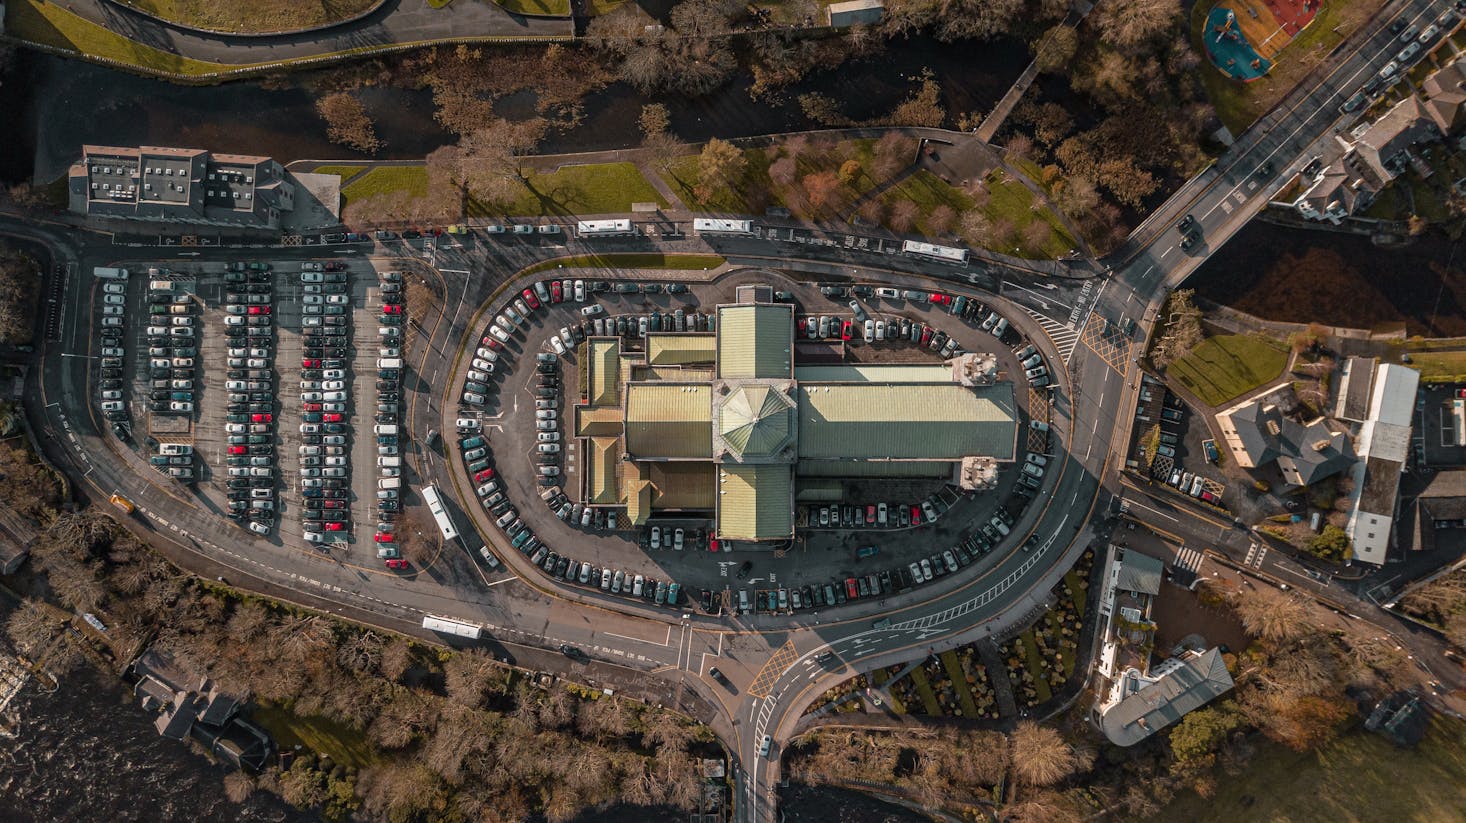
391 368
172 344
871 515
324 453
112 386
249 381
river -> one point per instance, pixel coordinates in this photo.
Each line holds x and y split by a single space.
61 104
90 753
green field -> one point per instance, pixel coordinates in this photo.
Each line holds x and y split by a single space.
1440 366
1359 778
1229 365
252 16
599 188
555 8
384 179
344 744
1009 201
52 25
631 260
343 172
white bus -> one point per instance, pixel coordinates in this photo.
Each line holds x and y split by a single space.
942 254
440 514
457 628
603 228
712 225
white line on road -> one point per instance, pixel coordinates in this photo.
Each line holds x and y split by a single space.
1134 504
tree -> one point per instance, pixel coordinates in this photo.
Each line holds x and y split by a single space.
720 167
976 19
654 120
1129 25
487 163
1040 755
976 228
1055 50
347 122
783 172
903 215
871 212
1271 615
31 626
238 786
820 189
19 285
657 141
941 219
924 108
1331 544
1202 732
893 152
471 675
1037 234
850 171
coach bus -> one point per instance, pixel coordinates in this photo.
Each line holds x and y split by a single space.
603 228
440 514
457 628
712 225
931 251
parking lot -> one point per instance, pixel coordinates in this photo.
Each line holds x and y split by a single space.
545 517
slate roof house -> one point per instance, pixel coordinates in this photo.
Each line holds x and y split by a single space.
194 707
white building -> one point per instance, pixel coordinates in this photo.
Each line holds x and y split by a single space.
1383 447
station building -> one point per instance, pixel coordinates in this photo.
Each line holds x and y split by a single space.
180 186
730 424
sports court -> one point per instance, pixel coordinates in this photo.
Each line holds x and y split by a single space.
1243 36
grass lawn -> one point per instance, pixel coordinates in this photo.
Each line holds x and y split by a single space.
384 179
1076 594
1238 104
343 172
1009 201
1229 365
631 260
557 8
601 188
344 744
1035 668
52 25
253 16
682 176
1066 659
1358 778
1439 366
959 683
924 689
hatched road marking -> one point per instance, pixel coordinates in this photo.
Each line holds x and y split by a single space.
773 667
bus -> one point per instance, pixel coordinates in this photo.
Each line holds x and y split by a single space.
457 628
710 225
122 503
440 514
931 251
603 228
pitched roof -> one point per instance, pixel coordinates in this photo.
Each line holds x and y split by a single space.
755 501
755 341
682 485
1140 573
875 373
604 367
1159 704
669 420
681 349
1305 454
755 420
909 421
605 454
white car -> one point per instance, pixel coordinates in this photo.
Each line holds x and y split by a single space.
113 311
468 424
499 334
558 345
313 299
481 364
112 405
312 277
478 376
310 397
114 288
338 299
333 374
591 310
580 291
113 299
473 399
333 385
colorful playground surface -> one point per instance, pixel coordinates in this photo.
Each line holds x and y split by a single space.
1243 36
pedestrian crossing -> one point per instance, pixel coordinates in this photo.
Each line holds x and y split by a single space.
1188 559
1255 553
1065 337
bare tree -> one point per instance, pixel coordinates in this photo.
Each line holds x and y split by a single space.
347 122
1271 615
32 625
1131 24
1040 755
903 215
361 652
471 675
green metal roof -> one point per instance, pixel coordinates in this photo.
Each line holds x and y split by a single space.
873 468
681 349
669 420
756 420
872 421
755 502
755 341
875 373
605 372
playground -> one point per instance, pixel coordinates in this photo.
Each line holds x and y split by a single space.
1244 36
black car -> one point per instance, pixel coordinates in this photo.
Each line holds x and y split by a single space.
745 569
832 291
1353 103
545 392
1189 242
1186 223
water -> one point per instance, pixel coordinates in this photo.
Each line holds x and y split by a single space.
66 103
1301 276
88 752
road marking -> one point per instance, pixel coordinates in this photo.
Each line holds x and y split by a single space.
772 668
1063 336
1188 559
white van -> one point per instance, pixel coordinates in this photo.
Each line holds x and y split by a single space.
390 482
393 462
384 428
389 362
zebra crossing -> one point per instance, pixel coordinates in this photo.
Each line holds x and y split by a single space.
1185 565
1065 336
1255 553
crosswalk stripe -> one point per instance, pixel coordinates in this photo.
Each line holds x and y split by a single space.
1063 335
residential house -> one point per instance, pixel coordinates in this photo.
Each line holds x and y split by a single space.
1258 433
1383 447
200 711
1371 160
1445 96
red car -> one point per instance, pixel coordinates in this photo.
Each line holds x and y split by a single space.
333 417
391 310
333 527
483 475
926 335
309 363
333 504
713 544
846 330
492 342
915 515
852 591
262 418
556 294
383 538
534 302
398 563
237 450
870 515
941 299
259 309
311 407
